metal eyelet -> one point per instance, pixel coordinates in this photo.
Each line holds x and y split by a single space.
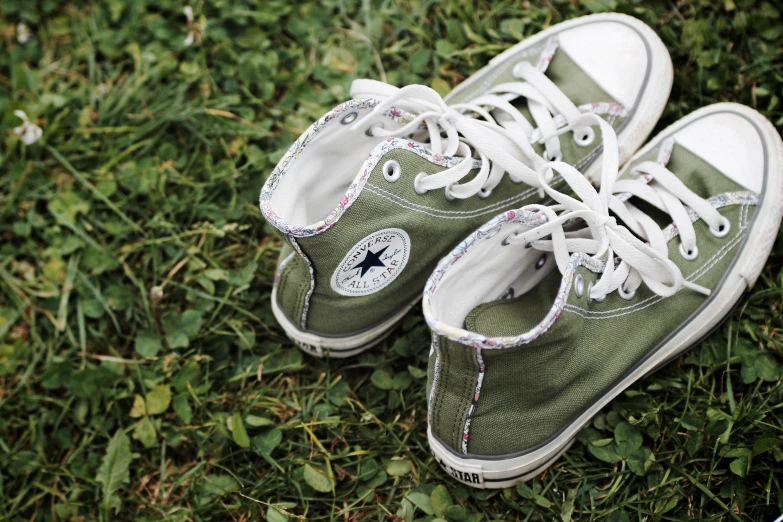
541 262
558 156
587 138
392 171
484 193
723 228
689 255
449 195
517 70
579 285
626 295
419 177
349 118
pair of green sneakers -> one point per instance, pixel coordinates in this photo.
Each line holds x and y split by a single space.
550 309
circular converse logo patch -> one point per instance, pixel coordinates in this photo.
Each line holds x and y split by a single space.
372 263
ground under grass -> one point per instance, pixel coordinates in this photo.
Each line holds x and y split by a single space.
142 375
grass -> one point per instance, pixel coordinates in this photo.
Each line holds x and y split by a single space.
142 375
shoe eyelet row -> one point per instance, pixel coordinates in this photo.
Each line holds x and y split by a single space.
392 171
586 138
541 262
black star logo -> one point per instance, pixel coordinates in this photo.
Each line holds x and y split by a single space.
371 260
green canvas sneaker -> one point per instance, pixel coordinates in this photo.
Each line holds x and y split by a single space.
544 315
377 190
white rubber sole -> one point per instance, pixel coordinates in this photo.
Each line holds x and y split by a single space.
652 100
501 472
336 347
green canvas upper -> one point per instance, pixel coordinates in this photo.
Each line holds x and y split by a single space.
532 391
433 223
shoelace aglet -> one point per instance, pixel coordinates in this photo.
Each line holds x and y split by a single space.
697 288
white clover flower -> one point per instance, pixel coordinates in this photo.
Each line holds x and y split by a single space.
195 29
28 131
23 33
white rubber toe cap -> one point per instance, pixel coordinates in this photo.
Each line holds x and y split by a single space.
730 143
613 53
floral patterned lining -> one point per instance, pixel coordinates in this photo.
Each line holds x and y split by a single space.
473 403
435 374
306 305
550 47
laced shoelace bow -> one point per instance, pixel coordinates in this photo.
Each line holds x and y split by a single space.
640 260
499 136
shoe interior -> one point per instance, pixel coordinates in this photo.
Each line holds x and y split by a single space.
330 159
515 314
497 289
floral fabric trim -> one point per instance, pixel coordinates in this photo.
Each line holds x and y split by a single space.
474 402
435 373
296 149
306 305
718 201
547 54
665 151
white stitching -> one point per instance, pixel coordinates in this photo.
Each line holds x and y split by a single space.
497 204
490 211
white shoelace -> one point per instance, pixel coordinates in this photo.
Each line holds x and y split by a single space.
603 238
500 137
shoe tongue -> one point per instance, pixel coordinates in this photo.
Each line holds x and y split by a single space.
661 155
540 56
365 88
